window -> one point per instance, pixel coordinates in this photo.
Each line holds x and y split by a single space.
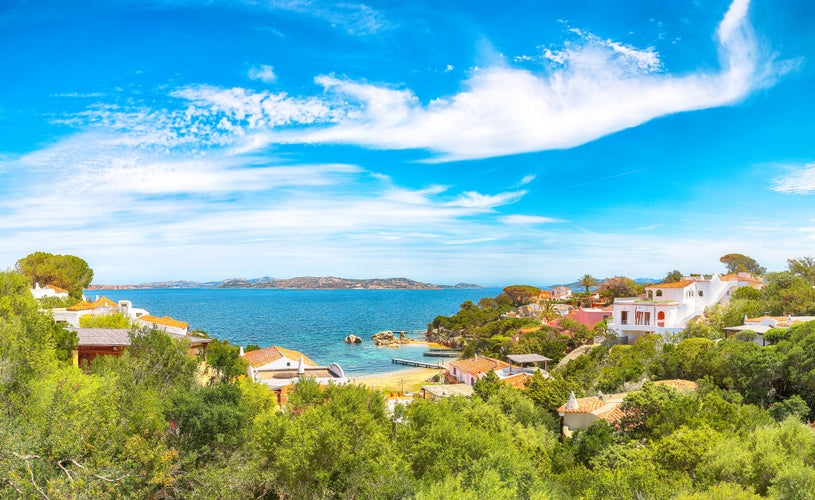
701 293
659 293
624 317
661 318
642 318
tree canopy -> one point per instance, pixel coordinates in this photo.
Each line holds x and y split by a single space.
737 263
65 271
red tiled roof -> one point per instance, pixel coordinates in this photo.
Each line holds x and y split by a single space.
265 356
675 284
478 365
57 289
584 405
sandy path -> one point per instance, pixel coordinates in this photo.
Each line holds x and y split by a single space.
409 380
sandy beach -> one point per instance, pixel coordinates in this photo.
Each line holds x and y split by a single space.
409 380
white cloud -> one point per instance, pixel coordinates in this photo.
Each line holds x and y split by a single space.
798 181
264 73
472 199
595 88
449 68
526 180
527 220
601 87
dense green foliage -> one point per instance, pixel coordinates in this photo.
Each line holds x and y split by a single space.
737 263
65 271
115 320
148 425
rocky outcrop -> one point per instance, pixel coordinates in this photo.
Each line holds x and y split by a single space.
353 339
389 339
445 337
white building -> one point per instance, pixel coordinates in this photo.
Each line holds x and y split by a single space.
48 291
99 307
668 307
277 367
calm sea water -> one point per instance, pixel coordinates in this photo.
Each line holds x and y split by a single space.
314 322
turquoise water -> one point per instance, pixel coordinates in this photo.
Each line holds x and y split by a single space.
314 322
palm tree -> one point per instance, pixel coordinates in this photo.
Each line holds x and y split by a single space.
548 312
588 281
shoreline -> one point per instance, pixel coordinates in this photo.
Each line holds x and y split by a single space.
407 380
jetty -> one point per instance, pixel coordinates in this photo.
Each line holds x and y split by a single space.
420 364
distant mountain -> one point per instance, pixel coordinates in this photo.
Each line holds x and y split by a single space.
302 283
334 283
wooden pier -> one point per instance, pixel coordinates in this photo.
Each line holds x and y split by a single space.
420 364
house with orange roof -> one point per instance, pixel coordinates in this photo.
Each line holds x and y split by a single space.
101 306
48 291
278 367
579 413
668 308
467 371
164 323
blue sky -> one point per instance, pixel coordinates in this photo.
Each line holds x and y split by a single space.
443 141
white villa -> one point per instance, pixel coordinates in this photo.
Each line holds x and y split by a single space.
667 308
99 307
48 291
277 367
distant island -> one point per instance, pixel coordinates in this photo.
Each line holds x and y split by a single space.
300 283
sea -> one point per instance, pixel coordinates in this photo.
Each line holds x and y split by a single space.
314 322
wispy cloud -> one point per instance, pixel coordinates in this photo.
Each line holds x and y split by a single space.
591 90
263 72
528 220
799 181
599 89
354 18
472 199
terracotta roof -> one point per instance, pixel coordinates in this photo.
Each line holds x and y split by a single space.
675 284
165 321
478 365
265 356
517 380
612 415
678 384
104 302
584 405
82 305
57 289
735 277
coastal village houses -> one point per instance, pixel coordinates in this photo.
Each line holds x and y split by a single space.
48 291
278 368
668 308
579 413
101 306
468 371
